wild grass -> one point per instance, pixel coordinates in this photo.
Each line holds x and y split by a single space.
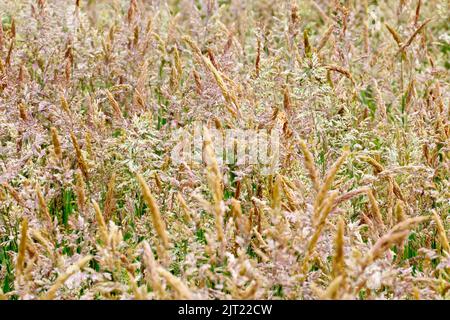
92 206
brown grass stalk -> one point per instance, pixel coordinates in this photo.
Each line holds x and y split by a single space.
79 156
115 105
326 185
151 266
375 209
78 266
326 209
309 164
441 232
17 197
413 35
80 191
182 291
215 184
43 206
227 94
338 259
101 223
395 35
56 144
158 222
324 39
20 262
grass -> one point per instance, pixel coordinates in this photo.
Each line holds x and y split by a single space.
93 205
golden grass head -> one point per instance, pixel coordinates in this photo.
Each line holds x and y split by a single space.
56 143
105 106
158 222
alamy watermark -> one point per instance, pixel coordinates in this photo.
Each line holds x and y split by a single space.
239 147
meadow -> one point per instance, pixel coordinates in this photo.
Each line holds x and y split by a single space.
351 203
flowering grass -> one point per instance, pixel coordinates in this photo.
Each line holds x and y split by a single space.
93 205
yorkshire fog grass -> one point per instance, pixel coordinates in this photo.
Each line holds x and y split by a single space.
92 205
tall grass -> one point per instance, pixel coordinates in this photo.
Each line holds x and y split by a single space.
93 205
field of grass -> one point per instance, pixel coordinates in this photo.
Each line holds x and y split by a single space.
352 202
